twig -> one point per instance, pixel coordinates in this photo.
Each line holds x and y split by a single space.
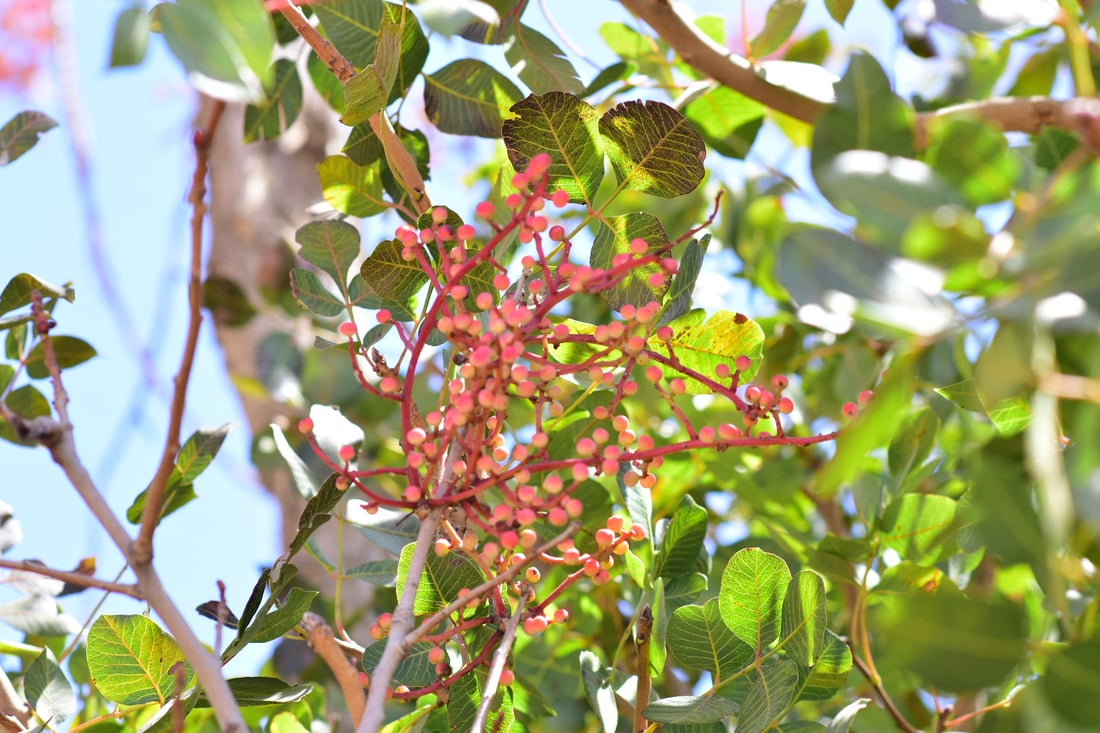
400 161
13 709
324 643
403 620
500 659
85 581
642 639
887 702
493 582
154 498
1015 114
57 436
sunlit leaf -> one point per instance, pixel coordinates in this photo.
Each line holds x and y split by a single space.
613 239
653 148
782 19
702 344
539 63
353 189
68 352
131 660
699 639
754 585
267 119
131 37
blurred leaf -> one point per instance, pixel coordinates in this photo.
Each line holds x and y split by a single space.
312 294
131 660
375 572
678 300
912 442
17 136
1072 683
255 691
653 148
842 721
299 472
450 17
469 97
920 527
702 344
597 688
613 239
867 116
618 71
352 189
974 156
754 585
227 301
568 130
68 350
838 11
727 121
955 643
224 45
48 690
782 19
539 63
390 530
645 53
327 84
267 119
130 40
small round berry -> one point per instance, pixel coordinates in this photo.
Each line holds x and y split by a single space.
347 452
850 409
743 363
347 328
780 382
305 425
865 397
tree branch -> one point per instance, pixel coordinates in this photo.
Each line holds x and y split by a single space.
154 498
72 578
500 659
1011 114
324 643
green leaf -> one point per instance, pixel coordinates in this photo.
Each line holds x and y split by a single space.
683 540
327 84
771 692
331 246
28 403
227 301
131 660
355 27
299 472
415 669
618 71
702 344
267 119
689 709
68 350
754 584
567 129
1001 508
193 458
48 690
131 37
391 279
912 442
539 63
867 116
782 19
286 722
258 691
839 9
803 625
317 511
375 572
19 290
20 134
1072 683
835 280
278 622
469 97
699 639
679 297
842 721
885 194
613 239
598 690
465 699
653 148
830 672
684 590
646 53
955 643
224 45
368 92
312 294
353 189
728 121
974 157
443 578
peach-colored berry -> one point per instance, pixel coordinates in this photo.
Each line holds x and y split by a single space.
743 363
305 425
864 397
347 452
850 409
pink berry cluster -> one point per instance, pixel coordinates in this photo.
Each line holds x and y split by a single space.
491 468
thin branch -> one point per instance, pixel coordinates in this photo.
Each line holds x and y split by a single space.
887 702
1016 114
403 620
324 643
643 637
15 712
400 161
57 436
497 580
73 578
154 498
500 659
